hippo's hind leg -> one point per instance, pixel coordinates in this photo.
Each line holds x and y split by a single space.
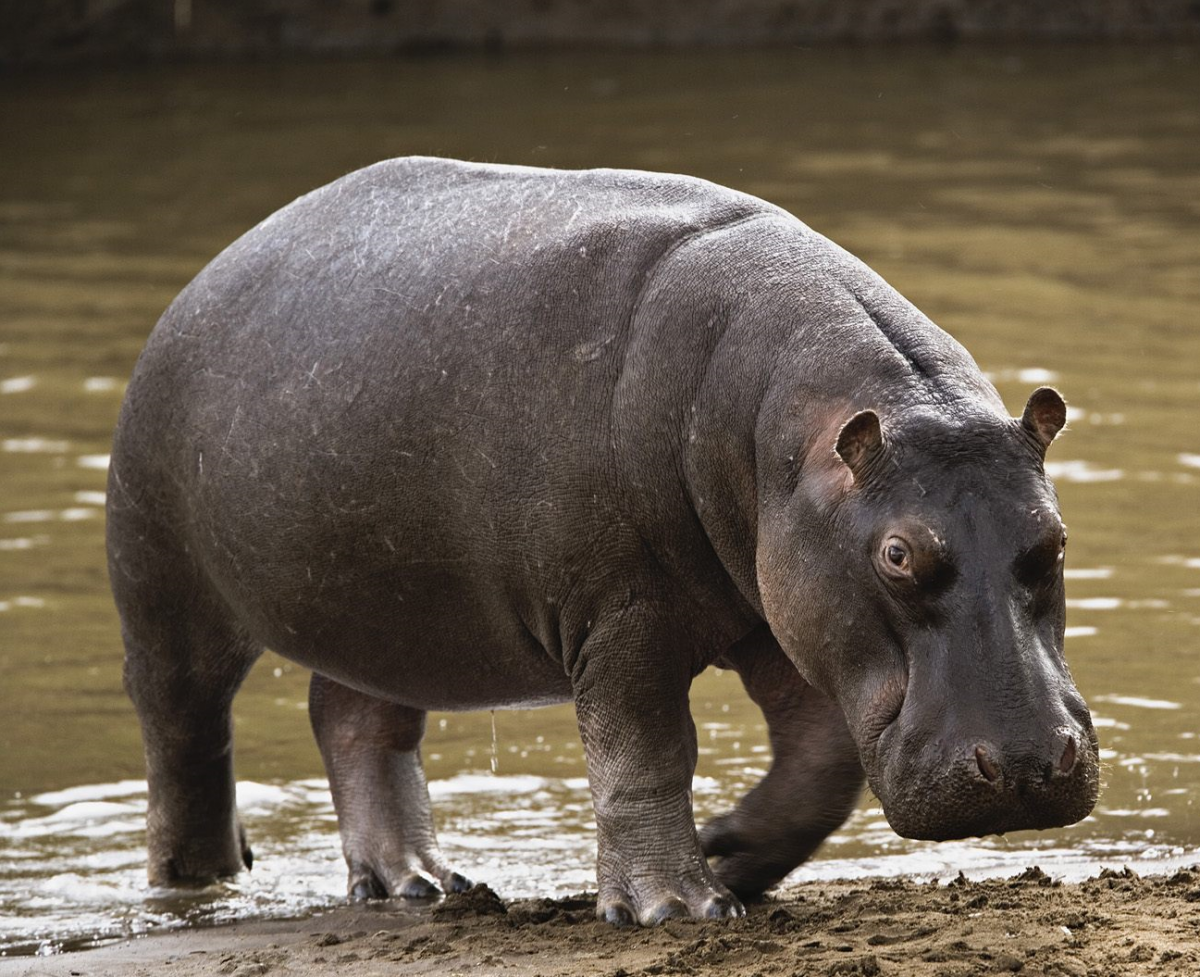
371 750
811 788
184 660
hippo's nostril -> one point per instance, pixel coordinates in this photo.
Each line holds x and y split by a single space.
987 766
1067 760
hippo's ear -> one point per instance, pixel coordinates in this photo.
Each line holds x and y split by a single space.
1045 415
859 441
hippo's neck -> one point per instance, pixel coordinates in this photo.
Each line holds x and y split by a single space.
805 335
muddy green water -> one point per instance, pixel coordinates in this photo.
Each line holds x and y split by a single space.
1042 204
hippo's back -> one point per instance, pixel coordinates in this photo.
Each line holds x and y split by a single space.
420 281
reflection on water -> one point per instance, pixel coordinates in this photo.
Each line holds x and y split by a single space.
1043 208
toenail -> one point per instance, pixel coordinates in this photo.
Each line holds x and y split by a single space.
618 914
723 907
458 883
417 887
671 909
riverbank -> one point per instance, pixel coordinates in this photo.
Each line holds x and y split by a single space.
137 30
1116 923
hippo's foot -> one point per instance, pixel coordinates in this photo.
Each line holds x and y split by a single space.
197 861
410 879
650 901
750 863
811 788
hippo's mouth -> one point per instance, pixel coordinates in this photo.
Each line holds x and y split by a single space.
878 719
931 794
954 807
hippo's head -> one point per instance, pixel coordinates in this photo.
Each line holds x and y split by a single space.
915 575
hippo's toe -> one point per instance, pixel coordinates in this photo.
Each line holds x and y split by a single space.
365 884
616 914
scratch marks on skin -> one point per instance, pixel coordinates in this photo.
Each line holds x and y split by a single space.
463 471
229 434
128 499
391 291
911 477
592 349
1051 515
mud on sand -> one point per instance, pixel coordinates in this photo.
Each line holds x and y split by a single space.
1116 923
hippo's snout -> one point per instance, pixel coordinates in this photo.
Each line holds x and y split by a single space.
990 786
1028 770
1023 772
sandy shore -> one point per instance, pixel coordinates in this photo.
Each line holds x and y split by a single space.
1114 924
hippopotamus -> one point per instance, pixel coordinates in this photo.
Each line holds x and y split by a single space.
459 436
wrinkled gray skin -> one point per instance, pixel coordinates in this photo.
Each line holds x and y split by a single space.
468 437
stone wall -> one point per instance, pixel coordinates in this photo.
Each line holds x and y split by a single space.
64 30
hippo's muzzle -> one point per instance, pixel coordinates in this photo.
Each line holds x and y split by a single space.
1025 776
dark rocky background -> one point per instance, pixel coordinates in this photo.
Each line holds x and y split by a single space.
40 31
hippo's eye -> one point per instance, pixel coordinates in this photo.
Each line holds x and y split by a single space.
896 557
1041 565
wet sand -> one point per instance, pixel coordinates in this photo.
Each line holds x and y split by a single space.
1116 923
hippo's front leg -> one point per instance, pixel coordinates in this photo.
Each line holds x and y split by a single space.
811 788
631 684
